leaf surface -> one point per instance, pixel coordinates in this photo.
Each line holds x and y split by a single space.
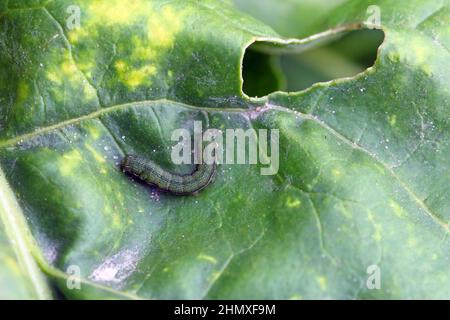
364 161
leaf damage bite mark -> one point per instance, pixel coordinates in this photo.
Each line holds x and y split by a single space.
270 65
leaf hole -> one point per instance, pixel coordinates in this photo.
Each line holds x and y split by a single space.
265 71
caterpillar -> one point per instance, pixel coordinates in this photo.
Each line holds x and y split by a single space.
177 184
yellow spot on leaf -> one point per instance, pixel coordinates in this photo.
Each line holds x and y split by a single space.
377 234
215 276
398 210
163 27
293 203
336 172
393 120
96 155
69 162
153 28
140 76
322 281
422 52
117 221
142 50
133 78
120 66
89 92
53 77
207 258
78 33
68 68
117 11
94 131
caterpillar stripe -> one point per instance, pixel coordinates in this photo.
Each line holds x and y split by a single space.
153 174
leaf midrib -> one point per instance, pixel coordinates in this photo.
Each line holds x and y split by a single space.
11 216
98 113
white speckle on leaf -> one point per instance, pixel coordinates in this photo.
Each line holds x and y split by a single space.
116 268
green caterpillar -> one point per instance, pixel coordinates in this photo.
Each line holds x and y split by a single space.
153 174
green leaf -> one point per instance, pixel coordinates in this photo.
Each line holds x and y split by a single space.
364 161
20 277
